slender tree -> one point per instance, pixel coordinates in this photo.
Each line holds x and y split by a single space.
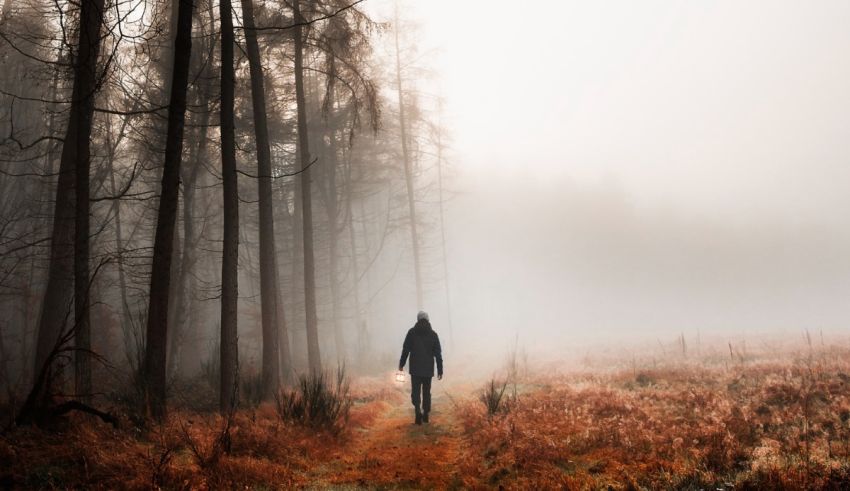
7 9
332 207
68 272
441 200
313 357
182 346
273 321
408 171
228 391
157 327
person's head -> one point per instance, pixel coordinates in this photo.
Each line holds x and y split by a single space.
422 315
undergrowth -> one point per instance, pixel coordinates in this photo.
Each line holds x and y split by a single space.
319 401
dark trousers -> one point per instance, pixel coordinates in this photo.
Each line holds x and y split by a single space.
422 384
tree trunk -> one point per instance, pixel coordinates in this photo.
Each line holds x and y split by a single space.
126 314
187 343
285 351
313 357
228 391
299 337
408 175
443 233
82 318
269 297
178 315
74 164
7 10
51 159
126 317
332 207
168 50
185 349
154 370
355 269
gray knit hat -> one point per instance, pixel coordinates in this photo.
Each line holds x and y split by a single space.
422 315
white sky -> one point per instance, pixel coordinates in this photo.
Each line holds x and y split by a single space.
691 102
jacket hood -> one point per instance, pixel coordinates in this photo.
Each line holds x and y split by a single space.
422 325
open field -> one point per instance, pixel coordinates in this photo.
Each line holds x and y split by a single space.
744 422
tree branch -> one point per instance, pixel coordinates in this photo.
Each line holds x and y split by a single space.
282 175
306 22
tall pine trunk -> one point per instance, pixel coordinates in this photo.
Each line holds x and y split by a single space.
332 206
273 321
285 350
7 9
443 232
355 269
74 164
126 316
313 357
178 315
408 174
126 313
51 159
185 350
229 389
154 369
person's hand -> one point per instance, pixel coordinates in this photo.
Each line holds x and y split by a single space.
400 368
440 377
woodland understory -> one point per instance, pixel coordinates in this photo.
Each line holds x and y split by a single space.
743 421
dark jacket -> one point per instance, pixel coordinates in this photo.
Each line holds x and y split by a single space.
423 346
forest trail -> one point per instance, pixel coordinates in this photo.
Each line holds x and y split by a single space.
392 452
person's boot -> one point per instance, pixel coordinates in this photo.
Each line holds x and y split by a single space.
418 417
424 417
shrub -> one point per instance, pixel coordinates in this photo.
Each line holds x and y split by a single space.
319 401
211 367
251 389
492 397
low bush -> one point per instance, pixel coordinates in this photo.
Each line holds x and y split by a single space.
319 401
251 390
493 397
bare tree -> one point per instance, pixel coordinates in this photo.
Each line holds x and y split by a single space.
154 368
313 356
64 267
408 171
228 395
273 321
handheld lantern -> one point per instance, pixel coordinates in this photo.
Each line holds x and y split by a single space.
399 377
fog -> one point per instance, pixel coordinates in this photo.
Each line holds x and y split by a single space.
555 178
627 222
636 170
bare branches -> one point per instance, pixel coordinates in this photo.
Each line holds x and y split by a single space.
124 190
291 174
132 112
305 22
29 55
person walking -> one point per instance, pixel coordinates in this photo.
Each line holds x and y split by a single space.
423 346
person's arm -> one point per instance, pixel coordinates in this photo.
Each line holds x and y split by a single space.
405 350
438 354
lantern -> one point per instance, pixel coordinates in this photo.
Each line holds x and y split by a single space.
399 377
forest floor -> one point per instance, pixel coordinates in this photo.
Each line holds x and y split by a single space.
775 421
394 452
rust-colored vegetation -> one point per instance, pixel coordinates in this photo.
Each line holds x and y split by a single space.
746 422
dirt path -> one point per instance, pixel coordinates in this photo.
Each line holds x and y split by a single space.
392 452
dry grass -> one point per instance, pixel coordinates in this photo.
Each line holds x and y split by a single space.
769 423
767 426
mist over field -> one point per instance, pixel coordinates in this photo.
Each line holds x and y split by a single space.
562 263
626 172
